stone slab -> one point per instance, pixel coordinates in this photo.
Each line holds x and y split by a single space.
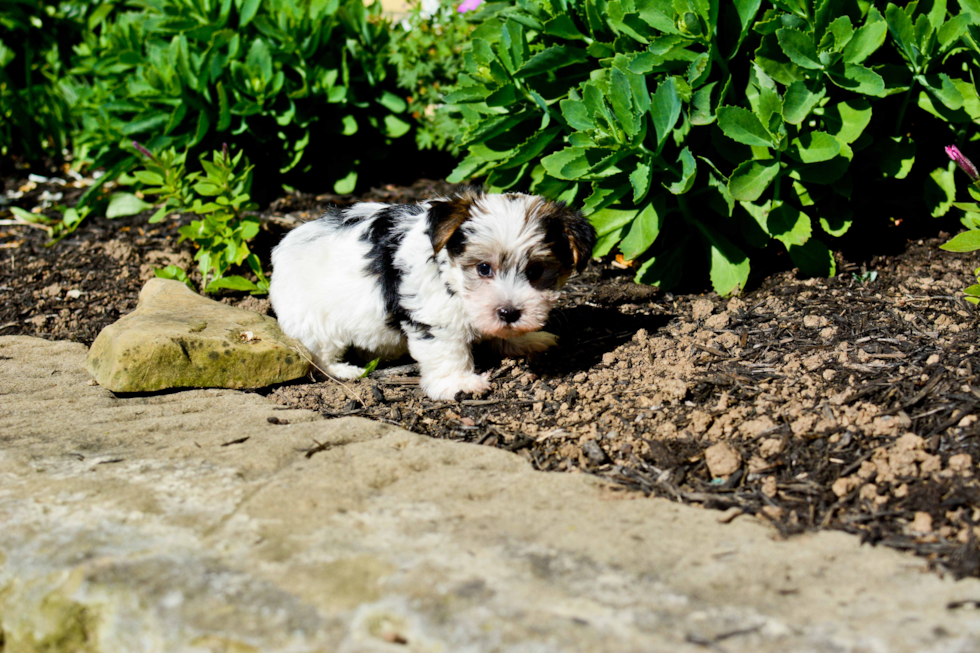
176 338
189 522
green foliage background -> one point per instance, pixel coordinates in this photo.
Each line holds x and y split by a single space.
36 38
696 131
297 85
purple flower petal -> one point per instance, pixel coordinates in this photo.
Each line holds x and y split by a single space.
468 5
964 163
142 150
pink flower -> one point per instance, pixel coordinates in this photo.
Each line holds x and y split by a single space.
468 5
964 163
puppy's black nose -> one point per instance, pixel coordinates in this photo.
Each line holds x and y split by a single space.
509 314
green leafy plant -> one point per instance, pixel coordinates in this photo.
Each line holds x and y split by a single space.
56 228
219 194
426 51
696 131
304 88
968 241
36 37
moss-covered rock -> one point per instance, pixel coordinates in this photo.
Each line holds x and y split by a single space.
177 339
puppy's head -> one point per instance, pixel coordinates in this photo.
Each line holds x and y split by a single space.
508 256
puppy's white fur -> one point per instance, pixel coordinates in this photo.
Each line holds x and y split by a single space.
386 279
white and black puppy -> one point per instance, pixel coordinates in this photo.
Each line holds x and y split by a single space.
431 279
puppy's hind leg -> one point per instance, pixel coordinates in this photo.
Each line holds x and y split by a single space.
328 358
529 343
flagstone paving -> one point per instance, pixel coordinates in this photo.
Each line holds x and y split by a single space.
212 520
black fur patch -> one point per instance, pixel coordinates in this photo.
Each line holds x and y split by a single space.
385 236
385 240
424 330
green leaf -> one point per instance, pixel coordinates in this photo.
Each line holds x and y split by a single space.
233 282
663 270
468 94
847 120
27 216
703 103
605 243
940 190
902 30
395 127
573 163
149 178
146 124
392 102
621 101
665 109
942 88
247 12
564 27
124 204
640 181
689 169
799 48
815 146
174 272
729 264
348 125
814 259
842 32
644 230
224 111
751 178
897 156
370 367
607 221
867 39
789 225
160 214
699 70
206 189
345 185
837 223
260 58
551 59
741 125
857 78
576 114
799 100
952 30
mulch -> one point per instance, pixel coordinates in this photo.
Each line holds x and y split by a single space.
848 403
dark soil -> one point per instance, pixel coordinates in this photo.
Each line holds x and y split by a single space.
843 403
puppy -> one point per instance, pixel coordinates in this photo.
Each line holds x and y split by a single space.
431 279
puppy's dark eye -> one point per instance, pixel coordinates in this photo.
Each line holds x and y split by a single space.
534 272
484 270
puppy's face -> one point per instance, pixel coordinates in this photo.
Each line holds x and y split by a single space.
509 256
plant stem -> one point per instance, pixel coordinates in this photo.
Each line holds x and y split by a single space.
901 111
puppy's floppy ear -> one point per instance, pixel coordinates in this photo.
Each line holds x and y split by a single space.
581 238
445 219
571 236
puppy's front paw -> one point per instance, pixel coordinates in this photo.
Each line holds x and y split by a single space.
529 343
447 387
